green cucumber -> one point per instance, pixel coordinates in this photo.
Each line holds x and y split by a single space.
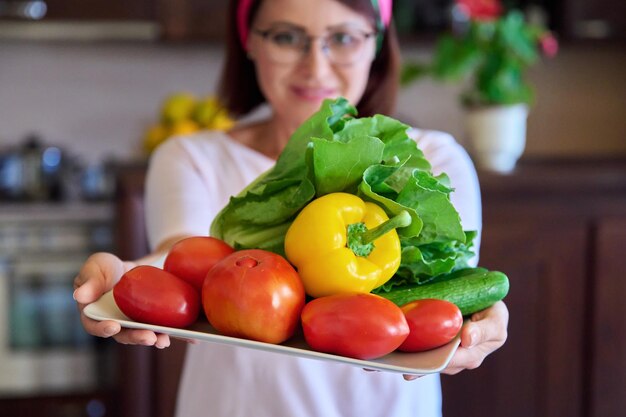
471 291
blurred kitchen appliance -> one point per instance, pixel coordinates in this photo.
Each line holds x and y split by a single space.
31 171
43 347
36 171
23 9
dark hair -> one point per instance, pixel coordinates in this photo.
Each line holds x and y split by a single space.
240 92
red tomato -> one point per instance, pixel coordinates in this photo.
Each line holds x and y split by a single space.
433 323
191 258
151 295
362 326
254 294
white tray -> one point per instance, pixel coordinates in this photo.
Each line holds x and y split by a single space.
427 362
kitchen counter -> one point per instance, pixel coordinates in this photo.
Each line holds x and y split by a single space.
558 176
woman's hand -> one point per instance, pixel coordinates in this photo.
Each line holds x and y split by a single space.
482 335
97 276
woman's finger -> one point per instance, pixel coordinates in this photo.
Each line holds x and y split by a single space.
139 337
489 325
105 328
465 358
89 291
110 328
163 341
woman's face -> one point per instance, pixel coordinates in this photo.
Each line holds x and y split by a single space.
295 72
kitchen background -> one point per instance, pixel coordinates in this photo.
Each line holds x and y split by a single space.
84 83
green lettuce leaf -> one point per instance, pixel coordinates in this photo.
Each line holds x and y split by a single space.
424 263
338 165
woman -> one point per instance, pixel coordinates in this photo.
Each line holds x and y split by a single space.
291 54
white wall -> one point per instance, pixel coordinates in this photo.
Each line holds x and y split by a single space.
95 99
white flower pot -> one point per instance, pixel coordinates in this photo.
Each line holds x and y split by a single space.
497 135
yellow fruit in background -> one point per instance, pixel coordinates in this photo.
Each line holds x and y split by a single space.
154 136
181 114
221 121
177 107
184 127
205 111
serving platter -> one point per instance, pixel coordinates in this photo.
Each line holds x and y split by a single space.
420 363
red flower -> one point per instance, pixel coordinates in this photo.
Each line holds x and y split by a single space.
549 44
480 9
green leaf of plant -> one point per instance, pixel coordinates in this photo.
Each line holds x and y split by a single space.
455 58
516 39
413 71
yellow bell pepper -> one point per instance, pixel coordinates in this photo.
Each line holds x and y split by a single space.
341 244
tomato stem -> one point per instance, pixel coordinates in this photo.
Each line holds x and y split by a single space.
247 262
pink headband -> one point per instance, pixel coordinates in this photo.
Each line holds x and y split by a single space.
243 13
383 7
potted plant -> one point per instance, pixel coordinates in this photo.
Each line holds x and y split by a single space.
490 50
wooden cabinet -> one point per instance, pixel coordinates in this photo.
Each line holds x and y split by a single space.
78 10
545 294
593 19
184 20
172 20
97 10
557 230
608 320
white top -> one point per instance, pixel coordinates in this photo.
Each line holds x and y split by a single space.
189 180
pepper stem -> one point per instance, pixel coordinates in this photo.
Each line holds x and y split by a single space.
401 219
361 240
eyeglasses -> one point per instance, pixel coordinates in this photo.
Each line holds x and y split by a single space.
342 47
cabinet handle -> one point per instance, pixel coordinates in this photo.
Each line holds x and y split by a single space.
25 10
